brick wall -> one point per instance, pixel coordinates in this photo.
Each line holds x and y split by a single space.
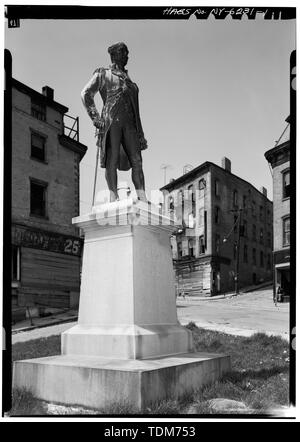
281 206
60 170
223 263
228 183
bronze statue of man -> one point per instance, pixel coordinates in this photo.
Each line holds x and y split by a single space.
119 129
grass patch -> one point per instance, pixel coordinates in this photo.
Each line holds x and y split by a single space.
25 404
37 348
259 376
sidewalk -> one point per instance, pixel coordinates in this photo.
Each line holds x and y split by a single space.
57 318
243 291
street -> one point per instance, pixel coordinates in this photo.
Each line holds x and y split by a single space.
241 315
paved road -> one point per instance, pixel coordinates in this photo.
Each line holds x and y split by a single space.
241 315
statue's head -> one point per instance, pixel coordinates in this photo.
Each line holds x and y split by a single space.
119 53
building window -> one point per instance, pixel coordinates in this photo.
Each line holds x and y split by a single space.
201 245
217 214
245 202
171 203
191 198
38 198
269 239
217 188
191 193
286 184
253 232
235 198
201 184
38 110
181 205
261 213
245 228
15 265
235 219
261 258
191 220
286 231
217 244
254 257
261 236
254 209
38 143
191 248
245 253
179 249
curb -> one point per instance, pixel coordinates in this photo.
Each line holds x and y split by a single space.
246 332
33 327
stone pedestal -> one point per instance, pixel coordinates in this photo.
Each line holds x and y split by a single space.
128 345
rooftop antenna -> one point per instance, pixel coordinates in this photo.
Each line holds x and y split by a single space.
165 167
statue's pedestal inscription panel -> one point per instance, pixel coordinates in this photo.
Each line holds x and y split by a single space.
128 345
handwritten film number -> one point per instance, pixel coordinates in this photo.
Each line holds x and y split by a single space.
13 22
72 246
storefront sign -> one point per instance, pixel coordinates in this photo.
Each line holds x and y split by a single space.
41 239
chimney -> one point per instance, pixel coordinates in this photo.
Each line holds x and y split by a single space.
226 164
264 191
48 92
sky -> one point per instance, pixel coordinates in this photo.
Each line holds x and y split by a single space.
208 88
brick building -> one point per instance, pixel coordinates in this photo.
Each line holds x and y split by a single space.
224 217
279 158
46 152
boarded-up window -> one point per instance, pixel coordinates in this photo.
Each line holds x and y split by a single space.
38 110
38 146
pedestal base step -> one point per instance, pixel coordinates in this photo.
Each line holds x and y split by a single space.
97 383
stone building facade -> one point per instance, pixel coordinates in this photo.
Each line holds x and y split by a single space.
223 217
46 152
279 158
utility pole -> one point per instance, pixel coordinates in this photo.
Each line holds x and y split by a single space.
237 261
239 227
